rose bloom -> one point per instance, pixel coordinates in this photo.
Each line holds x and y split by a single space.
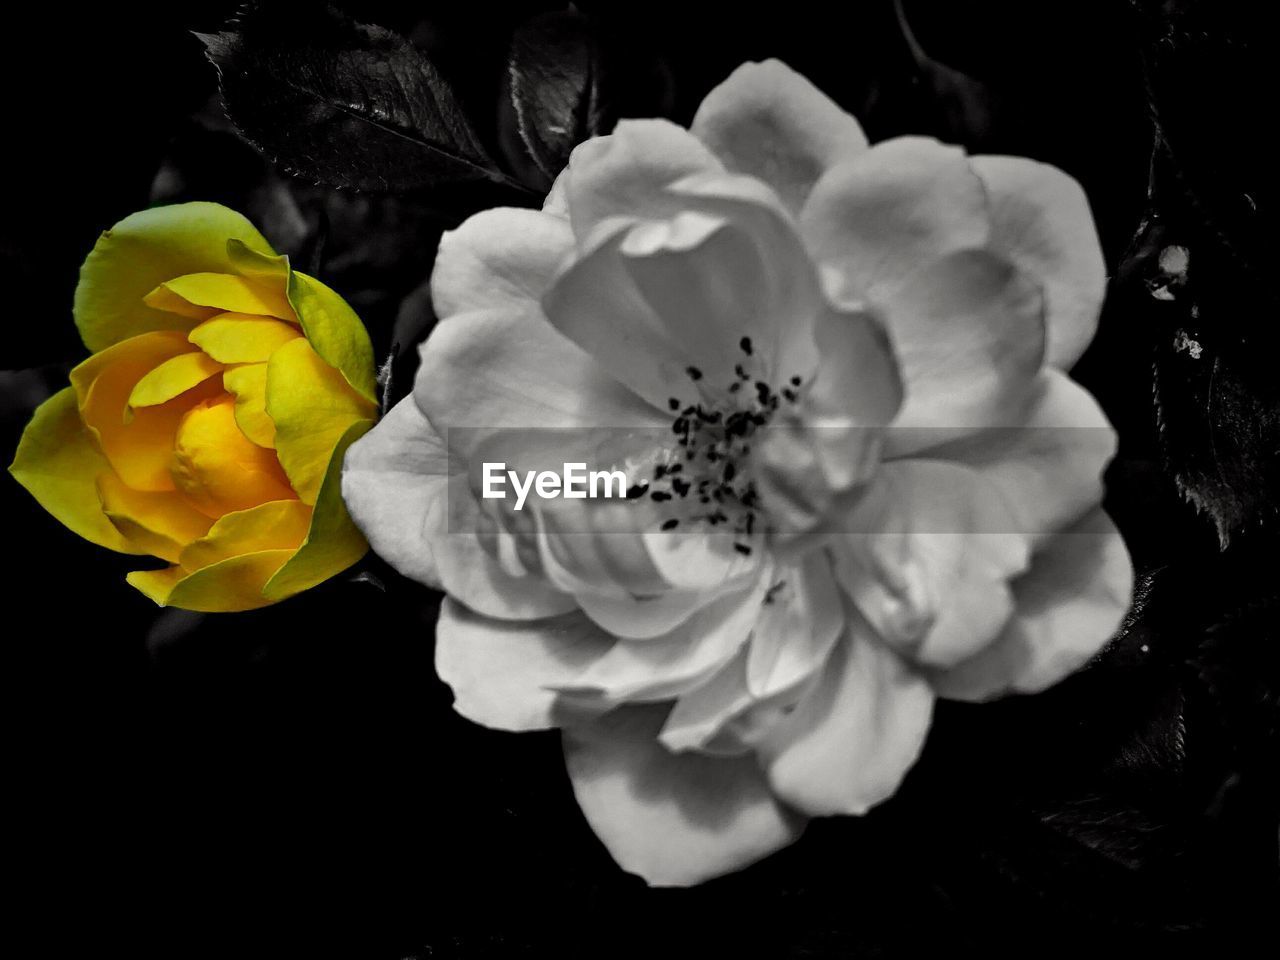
856 355
209 425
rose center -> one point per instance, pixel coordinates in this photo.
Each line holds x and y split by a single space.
706 477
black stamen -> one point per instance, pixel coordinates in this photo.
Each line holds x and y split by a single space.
673 403
745 344
694 373
671 524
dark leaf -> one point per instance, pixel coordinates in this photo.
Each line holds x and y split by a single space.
961 107
1217 402
413 322
1206 256
345 104
555 79
372 248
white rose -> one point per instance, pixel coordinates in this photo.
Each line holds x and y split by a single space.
922 478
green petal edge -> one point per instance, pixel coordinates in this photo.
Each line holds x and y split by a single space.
58 464
333 329
334 542
336 333
144 250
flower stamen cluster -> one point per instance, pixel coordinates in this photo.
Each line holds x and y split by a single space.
716 445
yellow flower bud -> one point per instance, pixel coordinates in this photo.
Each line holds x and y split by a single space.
209 426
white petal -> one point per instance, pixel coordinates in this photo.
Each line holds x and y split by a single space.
424 522
595 304
731 266
902 203
674 819
767 121
498 258
848 744
702 560
858 381
393 482
968 331
624 174
1069 605
798 624
580 543
643 618
784 332
557 201
704 282
493 370
597 546
475 574
1040 220
701 713
1050 467
501 671
687 656
928 561
813 456
655 297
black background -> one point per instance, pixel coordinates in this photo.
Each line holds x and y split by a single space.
292 782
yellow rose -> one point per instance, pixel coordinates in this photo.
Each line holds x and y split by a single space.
208 427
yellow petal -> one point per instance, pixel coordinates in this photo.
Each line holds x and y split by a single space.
161 524
249 385
249 262
333 542
241 338
226 292
279 525
218 468
156 584
225 587
141 449
144 352
173 378
57 462
141 252
335 332
312 406
162 298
